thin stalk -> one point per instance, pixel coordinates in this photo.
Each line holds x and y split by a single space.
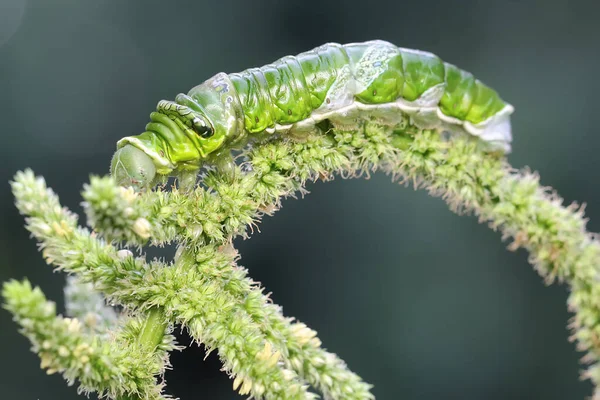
154 329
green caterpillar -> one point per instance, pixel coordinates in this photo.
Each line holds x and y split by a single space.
338 83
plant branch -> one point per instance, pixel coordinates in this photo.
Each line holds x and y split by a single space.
113 368
208 293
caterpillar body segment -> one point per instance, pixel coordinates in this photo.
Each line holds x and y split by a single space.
340 83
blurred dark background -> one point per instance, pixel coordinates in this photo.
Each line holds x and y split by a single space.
420 302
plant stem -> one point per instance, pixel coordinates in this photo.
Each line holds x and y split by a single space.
150 337
153 330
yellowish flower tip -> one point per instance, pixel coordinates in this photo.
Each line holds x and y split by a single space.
62 229
246 386
128 194
304 334
73 325
268 355
237 382
244 383
46 255
265 353
142 228
45 360
274 359
63 351
82 352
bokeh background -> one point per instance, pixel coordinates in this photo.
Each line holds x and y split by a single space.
422 303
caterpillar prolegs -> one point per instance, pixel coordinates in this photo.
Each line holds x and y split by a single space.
342 84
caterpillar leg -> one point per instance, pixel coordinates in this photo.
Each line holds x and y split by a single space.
225 164
186 180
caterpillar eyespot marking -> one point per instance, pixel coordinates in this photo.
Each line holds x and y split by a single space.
203 131
341 84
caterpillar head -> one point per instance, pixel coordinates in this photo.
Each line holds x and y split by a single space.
182 135
177 139
130 166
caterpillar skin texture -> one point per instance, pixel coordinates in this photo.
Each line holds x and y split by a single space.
340 83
